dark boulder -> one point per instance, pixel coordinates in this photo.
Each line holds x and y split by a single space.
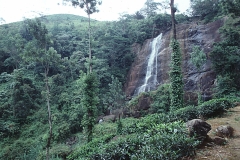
198 128
224 131
219 141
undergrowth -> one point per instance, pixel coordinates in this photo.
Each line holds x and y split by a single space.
155 136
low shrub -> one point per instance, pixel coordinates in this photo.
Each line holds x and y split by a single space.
184 114
207 109
145 123
214 107
60 150
167 141
104 129
155 136
129 125
11 151
163 141
89 149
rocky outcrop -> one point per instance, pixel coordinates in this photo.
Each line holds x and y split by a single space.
141 107
188 35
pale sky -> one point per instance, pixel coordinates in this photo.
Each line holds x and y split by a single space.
16 10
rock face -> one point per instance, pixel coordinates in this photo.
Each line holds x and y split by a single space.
188 35
142 105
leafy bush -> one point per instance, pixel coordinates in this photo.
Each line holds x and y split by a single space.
163 141
161 99
4 77
214 107
129 125
207 109
8 128
225 85
61 150
233 97
167 141
104 129
90 148
185 114
182 18
18 149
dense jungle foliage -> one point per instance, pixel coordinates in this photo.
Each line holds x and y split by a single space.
53 50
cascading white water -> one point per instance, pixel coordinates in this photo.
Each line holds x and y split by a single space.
151 76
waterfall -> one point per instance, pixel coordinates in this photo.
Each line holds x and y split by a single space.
150 81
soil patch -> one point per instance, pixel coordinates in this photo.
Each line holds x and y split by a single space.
230 151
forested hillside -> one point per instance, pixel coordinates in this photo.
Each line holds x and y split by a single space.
45 82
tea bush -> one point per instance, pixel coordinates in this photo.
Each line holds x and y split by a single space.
155 136
184 114
89 149
207 109
163 141
214 107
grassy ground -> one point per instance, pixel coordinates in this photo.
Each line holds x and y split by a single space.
230 151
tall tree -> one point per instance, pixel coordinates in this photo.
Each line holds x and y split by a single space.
24 96
90 92
230 7
90 7
176 71
205 9
115 97
38 51
225 57
14 46
150 8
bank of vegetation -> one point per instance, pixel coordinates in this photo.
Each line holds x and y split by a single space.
44 62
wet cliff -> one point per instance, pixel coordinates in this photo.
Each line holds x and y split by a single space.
188 35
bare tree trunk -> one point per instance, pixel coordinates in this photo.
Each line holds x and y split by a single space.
49 113
89 43
173 10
